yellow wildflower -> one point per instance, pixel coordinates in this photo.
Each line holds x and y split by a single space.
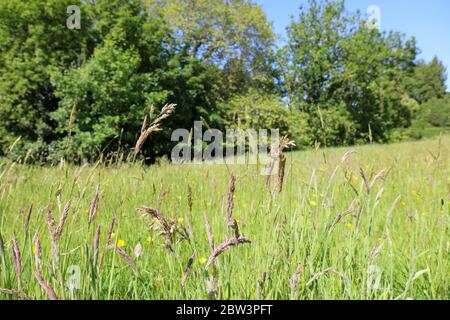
34 249
202 261
120 243
149 239
313 204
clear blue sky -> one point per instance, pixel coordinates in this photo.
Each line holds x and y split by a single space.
427 20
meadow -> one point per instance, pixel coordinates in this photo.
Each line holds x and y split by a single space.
367 222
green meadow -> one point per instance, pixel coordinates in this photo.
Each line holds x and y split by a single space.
369 222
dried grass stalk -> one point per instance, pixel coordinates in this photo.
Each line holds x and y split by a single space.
127 259
28 218
56 231
15 293
365 179
110 231
161 197
2 251
376 250
186 271
274 152
285 143
261 283
17 261
209 232
62 221
37 253
138 250
189 225
96 243
379 194
51 223
230 199
277 157
324 272
293 281
166 112
108 240
190 199
342 215
45 286
281 168
370 183
225 246
348 155
94 205
167 227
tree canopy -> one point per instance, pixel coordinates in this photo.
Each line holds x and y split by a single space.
348 77
428 81
80 93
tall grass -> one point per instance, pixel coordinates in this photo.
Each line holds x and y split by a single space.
370 222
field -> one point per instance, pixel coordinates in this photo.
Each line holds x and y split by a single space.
367 225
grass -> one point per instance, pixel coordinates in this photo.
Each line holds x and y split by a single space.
340 229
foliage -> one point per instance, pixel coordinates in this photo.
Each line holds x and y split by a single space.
255 111
438 112
233 34
335 61
429 120
79 99
80 94
428 81
324 218
33 44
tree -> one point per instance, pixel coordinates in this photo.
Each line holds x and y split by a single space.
233 35
335 65
428 81
79 93
256 111
133 69
438 112
34 42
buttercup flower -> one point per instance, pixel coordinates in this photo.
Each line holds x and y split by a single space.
120 243
202 260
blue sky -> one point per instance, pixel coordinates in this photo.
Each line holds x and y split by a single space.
427 20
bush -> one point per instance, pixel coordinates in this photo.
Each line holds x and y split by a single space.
332 126
438 112
256 111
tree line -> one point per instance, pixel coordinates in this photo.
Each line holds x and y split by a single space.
78 94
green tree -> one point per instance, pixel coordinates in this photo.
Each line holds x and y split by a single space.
233 35
257 111
34 42
134 67
334 66
428 81
79 93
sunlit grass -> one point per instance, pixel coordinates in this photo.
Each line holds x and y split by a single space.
397 234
